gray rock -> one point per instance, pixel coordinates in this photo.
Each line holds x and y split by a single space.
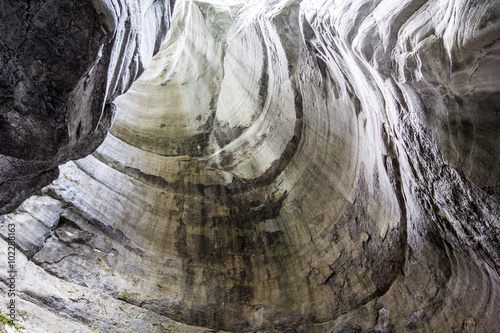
61 66
289 166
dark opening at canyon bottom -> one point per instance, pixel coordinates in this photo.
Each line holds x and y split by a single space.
249 166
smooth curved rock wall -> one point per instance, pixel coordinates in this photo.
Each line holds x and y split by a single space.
294 166
61 66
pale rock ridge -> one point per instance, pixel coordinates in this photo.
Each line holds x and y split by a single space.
290 166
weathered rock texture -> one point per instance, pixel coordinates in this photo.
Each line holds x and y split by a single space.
285 166
62 63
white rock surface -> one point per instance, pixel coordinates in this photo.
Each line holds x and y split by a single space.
289 166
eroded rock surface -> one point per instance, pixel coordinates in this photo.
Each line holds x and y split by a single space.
62 63
288 166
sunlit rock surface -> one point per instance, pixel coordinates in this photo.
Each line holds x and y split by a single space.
62 63
288 166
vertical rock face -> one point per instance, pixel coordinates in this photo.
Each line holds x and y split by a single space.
289 166
61 65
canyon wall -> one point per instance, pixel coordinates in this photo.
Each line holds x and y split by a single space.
61 66
280 166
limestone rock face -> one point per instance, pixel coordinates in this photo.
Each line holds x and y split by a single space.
62 63
284 166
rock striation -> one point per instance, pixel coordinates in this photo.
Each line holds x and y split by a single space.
281 166
61 66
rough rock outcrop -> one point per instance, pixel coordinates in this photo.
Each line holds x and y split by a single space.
62 63
288 166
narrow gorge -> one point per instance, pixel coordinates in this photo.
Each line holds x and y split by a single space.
251 165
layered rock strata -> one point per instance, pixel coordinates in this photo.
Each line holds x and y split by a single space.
289 166
62 63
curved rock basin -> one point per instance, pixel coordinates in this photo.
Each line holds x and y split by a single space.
289 166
